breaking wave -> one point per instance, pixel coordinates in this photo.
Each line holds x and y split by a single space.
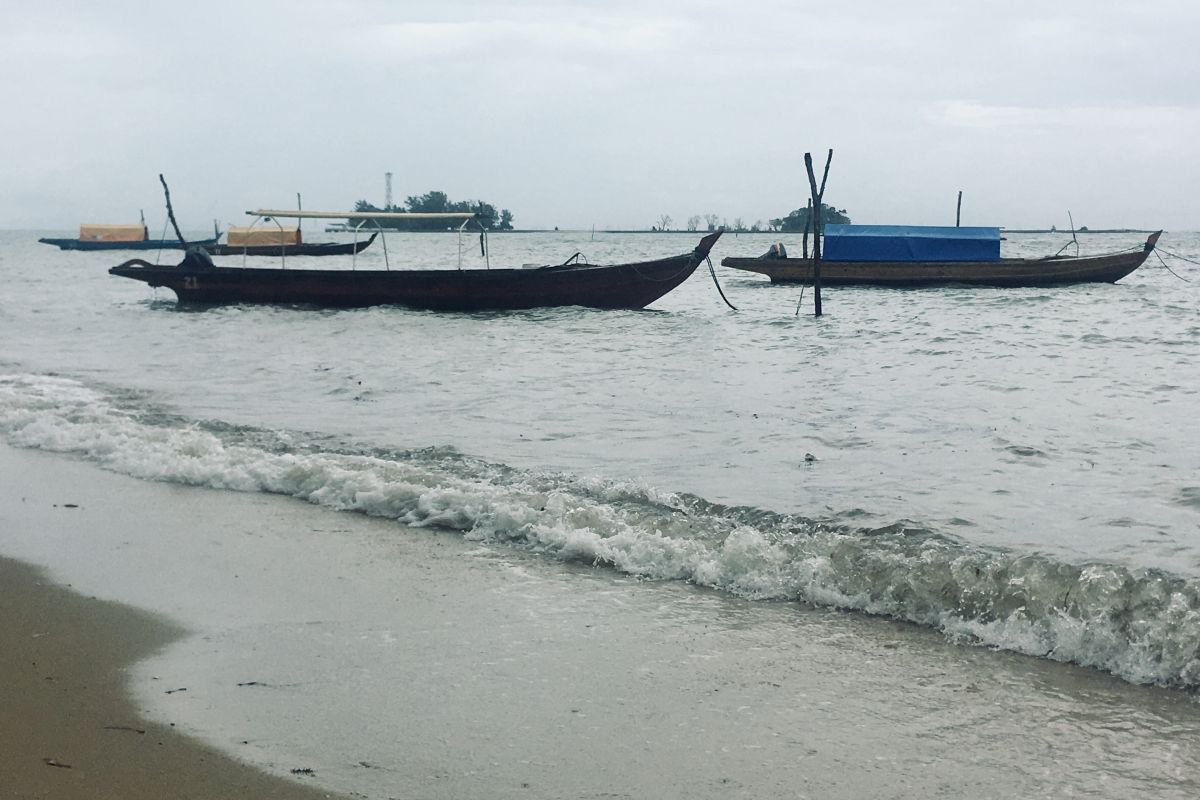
1142 625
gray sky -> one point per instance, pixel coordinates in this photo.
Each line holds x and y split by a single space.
610 114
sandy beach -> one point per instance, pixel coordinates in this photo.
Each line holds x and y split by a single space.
68 728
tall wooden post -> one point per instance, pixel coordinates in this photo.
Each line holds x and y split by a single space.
808 221
817 197
958 210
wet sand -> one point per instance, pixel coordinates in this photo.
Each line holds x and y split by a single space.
68 728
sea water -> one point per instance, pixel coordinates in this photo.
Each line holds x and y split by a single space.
1012 471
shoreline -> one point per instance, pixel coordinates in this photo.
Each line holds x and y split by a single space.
70 729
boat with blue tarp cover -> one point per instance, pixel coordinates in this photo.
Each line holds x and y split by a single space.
899 256
909 243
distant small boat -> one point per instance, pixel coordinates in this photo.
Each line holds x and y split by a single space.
930 270
296 248
196 281
120 237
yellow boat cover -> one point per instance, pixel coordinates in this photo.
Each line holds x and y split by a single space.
112 233
265 236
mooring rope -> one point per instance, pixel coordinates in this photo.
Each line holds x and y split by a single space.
1057 257
1168 269
1176 255
712 271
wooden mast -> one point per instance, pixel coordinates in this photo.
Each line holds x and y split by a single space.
171 211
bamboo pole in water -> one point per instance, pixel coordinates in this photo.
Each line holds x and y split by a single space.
817 199
807 227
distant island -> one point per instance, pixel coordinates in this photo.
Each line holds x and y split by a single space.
799 220
795 222
437 203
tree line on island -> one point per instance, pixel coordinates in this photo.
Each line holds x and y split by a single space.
438 203
795 222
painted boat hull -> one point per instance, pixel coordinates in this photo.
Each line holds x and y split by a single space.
1007 272
305 249
628 286
150 244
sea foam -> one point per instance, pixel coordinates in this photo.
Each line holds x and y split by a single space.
1142 625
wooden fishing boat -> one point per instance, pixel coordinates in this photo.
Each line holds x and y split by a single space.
196 281
292 249
1010 272
120 237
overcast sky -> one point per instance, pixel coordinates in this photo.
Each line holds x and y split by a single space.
607 114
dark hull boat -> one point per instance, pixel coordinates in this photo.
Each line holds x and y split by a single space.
1008 272
629 286
146 244
303 249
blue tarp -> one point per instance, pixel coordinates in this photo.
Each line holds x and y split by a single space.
909 243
